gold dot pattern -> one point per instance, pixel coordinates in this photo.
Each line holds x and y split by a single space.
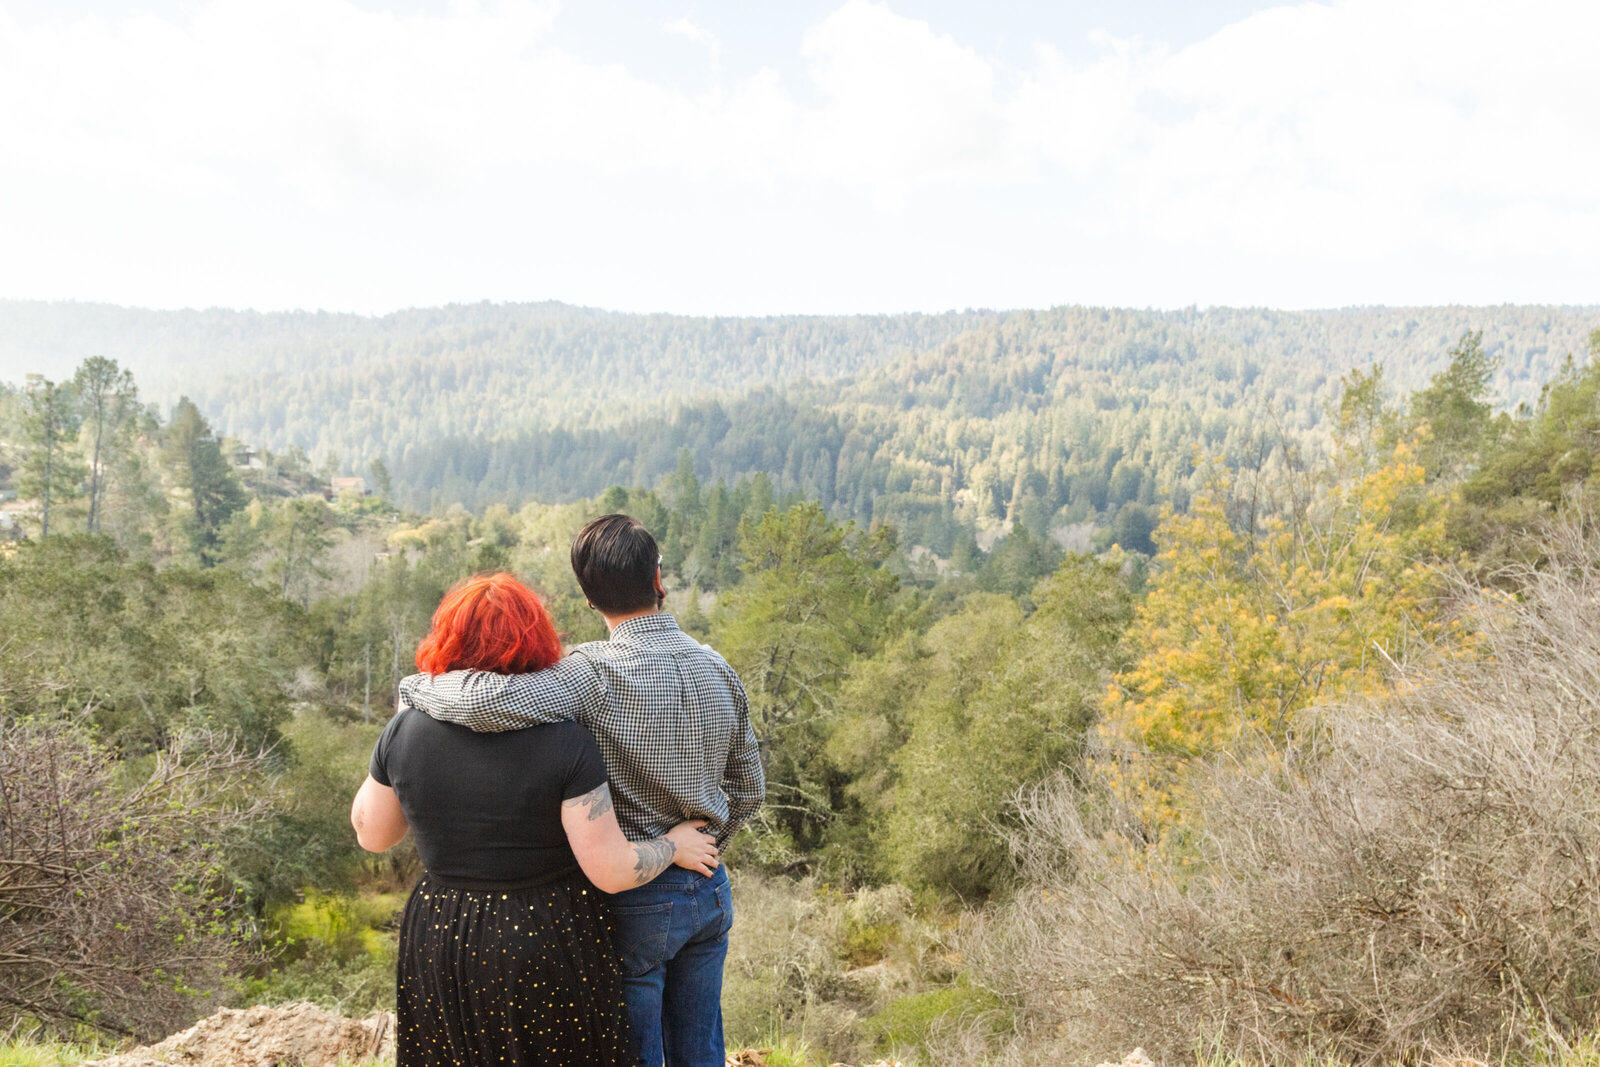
514 978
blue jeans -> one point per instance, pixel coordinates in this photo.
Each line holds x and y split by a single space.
673 935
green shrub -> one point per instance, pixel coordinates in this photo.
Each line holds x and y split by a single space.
354 986
909 1022
989 700
345 927
308 841
865 945
810 965
337 951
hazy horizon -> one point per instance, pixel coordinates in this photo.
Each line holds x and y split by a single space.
1590 307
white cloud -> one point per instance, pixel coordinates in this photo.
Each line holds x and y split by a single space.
904 104
314 152
687 28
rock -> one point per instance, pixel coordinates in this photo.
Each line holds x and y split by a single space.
294 1035
757 1057
1136 1058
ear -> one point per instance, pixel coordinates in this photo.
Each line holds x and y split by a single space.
661 590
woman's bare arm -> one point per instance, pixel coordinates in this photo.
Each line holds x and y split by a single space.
612 862
376 815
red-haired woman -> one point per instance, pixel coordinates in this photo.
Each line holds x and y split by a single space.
506 956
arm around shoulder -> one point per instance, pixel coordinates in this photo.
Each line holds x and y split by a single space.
569 691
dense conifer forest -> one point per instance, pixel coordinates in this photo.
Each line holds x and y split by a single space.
1052 417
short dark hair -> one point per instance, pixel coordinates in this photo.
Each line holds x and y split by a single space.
615 559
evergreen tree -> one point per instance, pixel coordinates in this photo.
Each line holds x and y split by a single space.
1457 407
683 522
761 496
195 459
814 598
684 489
382 483
50 423
106 398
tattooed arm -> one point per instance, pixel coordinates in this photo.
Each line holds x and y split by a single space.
612 862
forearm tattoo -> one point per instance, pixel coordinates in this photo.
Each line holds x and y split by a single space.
597 800
650 858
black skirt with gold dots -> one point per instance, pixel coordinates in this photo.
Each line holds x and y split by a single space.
509 978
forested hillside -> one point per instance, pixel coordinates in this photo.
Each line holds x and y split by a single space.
1068 418
1074 421
365 387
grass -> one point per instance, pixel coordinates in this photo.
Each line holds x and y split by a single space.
26 1052
790 1052
787 1052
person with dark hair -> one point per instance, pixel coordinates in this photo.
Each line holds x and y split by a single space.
618 566
507 957
673 723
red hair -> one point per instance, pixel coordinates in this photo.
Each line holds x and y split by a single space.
490 622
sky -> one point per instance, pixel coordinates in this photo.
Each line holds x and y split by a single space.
710 157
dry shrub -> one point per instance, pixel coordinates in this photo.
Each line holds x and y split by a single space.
785 976
796 971
1413 878
113 909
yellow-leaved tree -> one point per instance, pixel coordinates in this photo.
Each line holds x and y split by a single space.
1259 608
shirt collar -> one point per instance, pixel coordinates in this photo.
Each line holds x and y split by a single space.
659 622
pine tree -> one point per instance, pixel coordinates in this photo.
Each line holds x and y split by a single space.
106 398
50 422
813 599
382 483
197 463
1457 407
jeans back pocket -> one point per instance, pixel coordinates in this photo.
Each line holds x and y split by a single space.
642 934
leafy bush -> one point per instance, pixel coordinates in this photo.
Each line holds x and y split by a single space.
987 701
1412 877
783 977
354 985
307 840
345 926
338 951
149 653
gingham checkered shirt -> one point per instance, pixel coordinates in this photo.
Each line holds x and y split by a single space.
671 717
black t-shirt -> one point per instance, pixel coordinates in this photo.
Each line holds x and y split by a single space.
486 808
